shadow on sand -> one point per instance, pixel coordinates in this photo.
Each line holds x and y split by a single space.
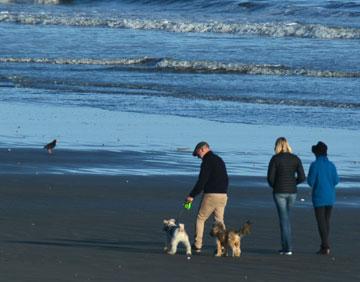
123 246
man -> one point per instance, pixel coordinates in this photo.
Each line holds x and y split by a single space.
213 182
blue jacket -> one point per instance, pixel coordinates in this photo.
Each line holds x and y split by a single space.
323 178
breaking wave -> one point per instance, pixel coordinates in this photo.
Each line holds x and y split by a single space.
293 29
83 61
50 2
206 66
157 90
168 64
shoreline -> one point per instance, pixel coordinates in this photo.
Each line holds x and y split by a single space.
174 162
165 140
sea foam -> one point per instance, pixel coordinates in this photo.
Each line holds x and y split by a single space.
53 2
189 66
274 29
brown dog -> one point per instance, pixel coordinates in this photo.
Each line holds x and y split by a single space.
229 239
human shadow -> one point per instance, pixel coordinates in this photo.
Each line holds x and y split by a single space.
259 251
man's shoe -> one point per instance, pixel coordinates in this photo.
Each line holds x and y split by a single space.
325 252
195 249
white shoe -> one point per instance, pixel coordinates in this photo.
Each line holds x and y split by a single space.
288 253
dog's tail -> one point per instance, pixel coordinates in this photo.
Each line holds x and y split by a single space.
181 227
245 229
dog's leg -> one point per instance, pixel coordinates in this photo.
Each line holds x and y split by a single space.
188 246
225 249
218 248
173 246
167 244
233 251
236 249
231 247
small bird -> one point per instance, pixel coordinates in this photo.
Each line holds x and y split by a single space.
50 147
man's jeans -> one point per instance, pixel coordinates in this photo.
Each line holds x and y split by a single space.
283 203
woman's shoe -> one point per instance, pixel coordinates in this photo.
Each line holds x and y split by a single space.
287 253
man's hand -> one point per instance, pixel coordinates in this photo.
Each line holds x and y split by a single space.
189 199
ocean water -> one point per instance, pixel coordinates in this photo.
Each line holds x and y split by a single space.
284 67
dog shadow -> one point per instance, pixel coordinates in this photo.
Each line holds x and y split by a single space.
114 245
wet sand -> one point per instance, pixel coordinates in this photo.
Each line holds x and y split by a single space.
109 228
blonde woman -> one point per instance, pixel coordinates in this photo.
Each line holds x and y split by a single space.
285 171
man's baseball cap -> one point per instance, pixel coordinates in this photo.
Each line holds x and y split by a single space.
198 146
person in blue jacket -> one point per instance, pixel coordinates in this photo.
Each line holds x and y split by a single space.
322 178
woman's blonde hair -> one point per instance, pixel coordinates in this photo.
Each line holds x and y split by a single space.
282 146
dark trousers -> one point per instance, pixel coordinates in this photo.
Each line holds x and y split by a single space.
323 215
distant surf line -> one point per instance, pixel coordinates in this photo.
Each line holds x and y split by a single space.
272 29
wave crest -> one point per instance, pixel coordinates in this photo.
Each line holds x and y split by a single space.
279 70
46 2
83 61
169 64
262 29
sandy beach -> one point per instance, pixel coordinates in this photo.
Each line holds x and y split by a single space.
109 228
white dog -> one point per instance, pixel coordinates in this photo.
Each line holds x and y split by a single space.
175 234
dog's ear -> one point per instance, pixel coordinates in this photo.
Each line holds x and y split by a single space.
246 228
166 221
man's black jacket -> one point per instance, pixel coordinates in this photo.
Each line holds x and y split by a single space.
213 177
